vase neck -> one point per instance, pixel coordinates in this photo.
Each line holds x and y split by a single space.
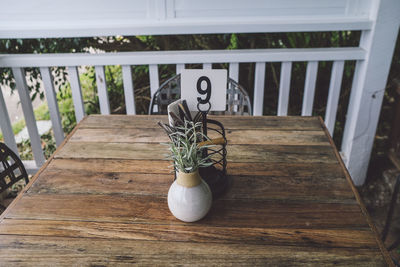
191 179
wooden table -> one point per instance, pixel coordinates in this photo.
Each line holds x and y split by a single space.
101 200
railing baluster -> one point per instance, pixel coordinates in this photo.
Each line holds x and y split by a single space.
6 127
309 88
284 88
51 97
154 82
333 96
102 90
128 90
207 66
259 89
179 68
234 71
27 109
73 75
234 75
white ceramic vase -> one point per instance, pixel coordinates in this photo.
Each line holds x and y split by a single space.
189 197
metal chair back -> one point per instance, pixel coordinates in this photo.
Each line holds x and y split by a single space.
11 169
237 98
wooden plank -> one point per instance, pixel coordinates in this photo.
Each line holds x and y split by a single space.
329 238
32 251
73 75
279 153
5 125
51 98
102 90
329 189
334 93
301 189
154 210
236 153
143 135
259 81
281 169
128 90
230 122
30 121
284 88
112 165
309 88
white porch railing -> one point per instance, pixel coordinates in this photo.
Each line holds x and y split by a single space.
179 58
377 20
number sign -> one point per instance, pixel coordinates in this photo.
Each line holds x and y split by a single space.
204 88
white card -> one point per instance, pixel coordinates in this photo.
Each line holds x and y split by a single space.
204 86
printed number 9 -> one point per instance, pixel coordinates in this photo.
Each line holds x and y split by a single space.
206 92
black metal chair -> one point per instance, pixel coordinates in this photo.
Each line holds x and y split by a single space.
237 98
12 170
389 218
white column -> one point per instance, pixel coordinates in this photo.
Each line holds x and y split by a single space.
369 86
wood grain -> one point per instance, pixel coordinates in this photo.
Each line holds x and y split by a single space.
314 189
154 209
286 169
101 200
353 238
236 153
229 122
148 135
51 251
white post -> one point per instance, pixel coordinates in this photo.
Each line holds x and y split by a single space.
128 90
5 126
369 86
30 120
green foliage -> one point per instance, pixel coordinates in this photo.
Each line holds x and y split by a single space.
38 46
41 113
48 146
185 152
65 102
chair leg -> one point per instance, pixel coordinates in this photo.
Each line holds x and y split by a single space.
391 210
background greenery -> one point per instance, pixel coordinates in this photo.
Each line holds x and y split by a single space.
185 42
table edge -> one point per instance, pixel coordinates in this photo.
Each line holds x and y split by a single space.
382 247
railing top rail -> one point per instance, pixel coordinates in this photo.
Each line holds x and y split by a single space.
182 57
20 29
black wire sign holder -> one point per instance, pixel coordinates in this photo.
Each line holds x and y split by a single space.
215 175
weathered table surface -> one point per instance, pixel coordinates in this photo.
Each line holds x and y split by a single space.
101 200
